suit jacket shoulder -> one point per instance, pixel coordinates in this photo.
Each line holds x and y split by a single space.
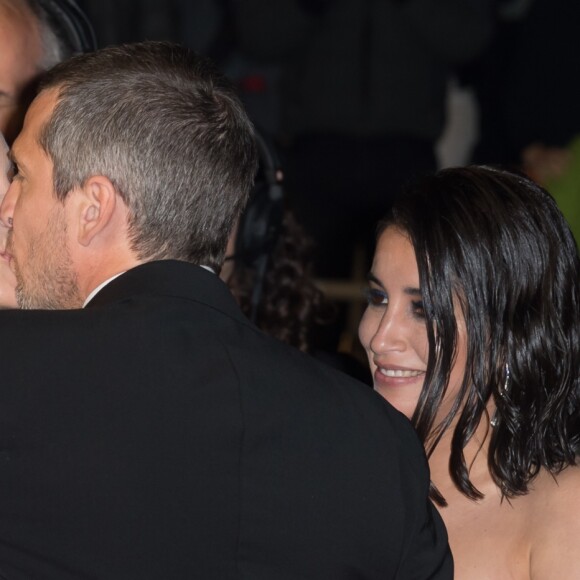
158 434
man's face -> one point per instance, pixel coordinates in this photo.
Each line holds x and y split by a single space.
7 279
38 243
20 56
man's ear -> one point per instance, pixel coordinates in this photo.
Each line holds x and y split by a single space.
97 204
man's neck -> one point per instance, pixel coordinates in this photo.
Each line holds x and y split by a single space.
96 290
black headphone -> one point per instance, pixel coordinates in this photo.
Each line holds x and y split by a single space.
70 23
261 223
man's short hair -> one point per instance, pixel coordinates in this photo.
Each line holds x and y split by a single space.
169 132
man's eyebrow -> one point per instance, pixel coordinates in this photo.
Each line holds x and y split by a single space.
409 290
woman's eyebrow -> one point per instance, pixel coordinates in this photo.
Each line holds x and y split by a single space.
372 278
410 290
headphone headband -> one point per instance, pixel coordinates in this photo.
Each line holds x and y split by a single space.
261 223
70 23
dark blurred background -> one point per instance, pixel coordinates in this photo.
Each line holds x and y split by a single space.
359 96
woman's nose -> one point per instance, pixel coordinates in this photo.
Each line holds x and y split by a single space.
389 334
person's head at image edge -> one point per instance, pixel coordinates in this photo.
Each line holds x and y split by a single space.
7 278
34 36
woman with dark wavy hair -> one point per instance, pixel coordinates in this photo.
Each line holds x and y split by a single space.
473 331
289 305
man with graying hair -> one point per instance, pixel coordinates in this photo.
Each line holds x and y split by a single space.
34 36
147 429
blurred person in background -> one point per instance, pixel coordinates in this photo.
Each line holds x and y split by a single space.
34 36
527 94
362 102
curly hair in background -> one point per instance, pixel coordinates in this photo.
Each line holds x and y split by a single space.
290 305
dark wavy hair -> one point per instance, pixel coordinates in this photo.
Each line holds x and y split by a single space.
496 242
291 305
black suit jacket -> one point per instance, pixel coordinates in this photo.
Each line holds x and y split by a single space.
157 434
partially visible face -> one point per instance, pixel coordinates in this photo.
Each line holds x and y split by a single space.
7 278
5 167
20 57
38 243
393 328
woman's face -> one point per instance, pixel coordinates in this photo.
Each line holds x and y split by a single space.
7 279
393 328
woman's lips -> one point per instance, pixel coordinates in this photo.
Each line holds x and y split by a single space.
400 373
397 376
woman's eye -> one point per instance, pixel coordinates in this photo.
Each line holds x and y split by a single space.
418 309
376 297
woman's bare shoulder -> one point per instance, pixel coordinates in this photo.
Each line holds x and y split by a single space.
555 525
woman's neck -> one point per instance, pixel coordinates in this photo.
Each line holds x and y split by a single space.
475 453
